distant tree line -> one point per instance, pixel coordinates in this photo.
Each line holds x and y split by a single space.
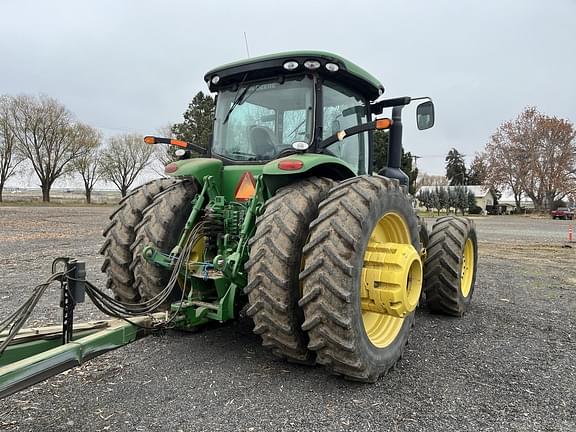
41 134
458 198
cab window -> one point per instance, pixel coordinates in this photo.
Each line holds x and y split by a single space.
343 108
257 121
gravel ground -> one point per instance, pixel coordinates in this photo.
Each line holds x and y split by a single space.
509 364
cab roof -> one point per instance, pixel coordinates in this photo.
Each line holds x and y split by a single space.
271 65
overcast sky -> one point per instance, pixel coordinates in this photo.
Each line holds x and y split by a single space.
133 66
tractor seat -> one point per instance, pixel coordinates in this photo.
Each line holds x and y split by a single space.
263 142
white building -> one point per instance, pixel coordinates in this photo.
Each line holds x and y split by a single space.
507 199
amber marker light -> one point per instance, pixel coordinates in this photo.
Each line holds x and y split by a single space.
383 123
150 140
179 143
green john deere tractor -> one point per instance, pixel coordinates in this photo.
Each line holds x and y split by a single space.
284 220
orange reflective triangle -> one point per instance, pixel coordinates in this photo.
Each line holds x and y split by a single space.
246 187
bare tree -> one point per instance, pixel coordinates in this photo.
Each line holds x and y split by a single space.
552 154
535 154
88 163
9 158
505 164
125 157
44 136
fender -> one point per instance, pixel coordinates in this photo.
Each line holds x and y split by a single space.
197 168
312 165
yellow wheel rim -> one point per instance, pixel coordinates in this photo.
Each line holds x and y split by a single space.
391 280
196 256
467 268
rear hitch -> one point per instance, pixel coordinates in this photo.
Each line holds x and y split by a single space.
28 356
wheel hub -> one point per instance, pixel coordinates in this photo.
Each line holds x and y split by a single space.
391 279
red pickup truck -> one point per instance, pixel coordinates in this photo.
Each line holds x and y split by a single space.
563 213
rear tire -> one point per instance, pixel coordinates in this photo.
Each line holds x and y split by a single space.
121 233
161 227
449 276
332 279
275 261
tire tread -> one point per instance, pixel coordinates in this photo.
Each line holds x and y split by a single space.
274 265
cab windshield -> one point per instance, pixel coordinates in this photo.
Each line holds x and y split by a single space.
257 121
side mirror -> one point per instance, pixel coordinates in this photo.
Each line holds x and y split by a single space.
425 115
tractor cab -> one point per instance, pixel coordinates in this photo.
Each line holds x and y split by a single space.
298 102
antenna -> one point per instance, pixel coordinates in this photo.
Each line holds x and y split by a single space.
246 42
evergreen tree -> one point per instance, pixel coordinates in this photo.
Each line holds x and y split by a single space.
455 168
471 200
381 138
443 198
198 120
435 200
425 198
461 199
452 200
381 159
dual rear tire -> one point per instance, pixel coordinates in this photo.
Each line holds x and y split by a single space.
355 223
336 239
308 260
275 263
153 214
